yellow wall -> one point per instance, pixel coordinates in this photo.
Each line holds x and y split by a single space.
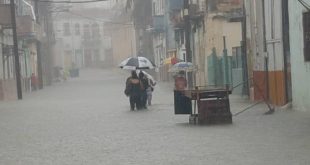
217 27
123 42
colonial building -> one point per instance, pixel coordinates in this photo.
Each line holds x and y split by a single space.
159 31
141 12
267 31
223 37
29 34
80 39
122 33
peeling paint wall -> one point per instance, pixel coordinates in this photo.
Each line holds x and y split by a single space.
300 68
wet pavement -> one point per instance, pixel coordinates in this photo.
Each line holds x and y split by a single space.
87 121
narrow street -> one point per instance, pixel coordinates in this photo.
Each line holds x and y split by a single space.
87 121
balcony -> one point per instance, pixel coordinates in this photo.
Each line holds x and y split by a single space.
177 20
229 5
5 15
196 12
89 42
176 5
158 23
27 28
234 16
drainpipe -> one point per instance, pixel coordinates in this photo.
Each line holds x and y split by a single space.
245 87
225 60
188 34
39 54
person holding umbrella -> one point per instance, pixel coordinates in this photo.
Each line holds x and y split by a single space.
149 91
182 104
135 63
180 81
133 90
145 84
150 85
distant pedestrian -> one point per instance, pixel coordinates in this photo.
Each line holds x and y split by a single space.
133 90
34 82
180 81
144 82
182 103
149 91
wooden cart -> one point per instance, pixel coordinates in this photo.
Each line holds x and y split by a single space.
212 104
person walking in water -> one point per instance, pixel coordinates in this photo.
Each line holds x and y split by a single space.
34 82
133 90
144 85
149 91
180 82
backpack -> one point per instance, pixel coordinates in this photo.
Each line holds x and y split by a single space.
127 89
145 83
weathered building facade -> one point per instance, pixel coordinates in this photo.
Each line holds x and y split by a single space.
122 33
299 33
29 35
267 48
83 39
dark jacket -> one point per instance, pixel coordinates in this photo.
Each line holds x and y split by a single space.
133 86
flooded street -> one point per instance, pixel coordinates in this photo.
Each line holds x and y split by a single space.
87 120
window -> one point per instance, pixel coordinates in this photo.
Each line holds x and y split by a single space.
182 35
86 31
153 9
306 23
67 29
96 55
95 30
77 29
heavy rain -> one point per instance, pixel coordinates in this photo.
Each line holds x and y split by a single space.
154 82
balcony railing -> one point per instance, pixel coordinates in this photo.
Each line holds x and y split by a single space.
89 41
176 4
177 20
27 28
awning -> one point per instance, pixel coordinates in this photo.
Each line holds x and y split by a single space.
171 60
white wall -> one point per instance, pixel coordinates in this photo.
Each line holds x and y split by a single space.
273 19
74 42
300 68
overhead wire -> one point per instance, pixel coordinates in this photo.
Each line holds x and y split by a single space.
89 1
98 20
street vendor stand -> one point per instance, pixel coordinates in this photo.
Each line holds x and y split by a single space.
212 105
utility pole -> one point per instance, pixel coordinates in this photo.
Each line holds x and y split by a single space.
39 53
245 87
187 30
15 51
225 60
